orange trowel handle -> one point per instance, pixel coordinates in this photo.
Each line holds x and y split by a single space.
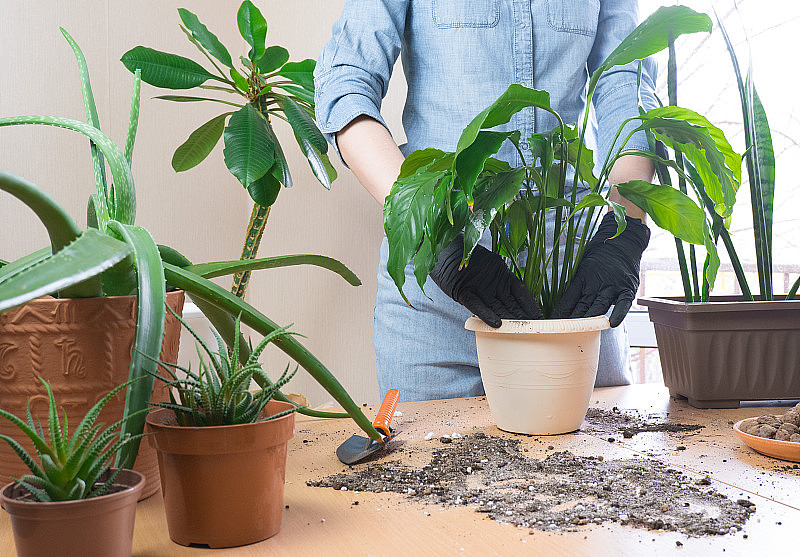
386 412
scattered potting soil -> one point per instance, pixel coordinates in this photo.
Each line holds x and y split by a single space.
783 427
558 493
630 423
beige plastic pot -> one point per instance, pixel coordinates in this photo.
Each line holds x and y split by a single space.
538 374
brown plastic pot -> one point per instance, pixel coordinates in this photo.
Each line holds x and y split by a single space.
82 347
222 485
719 353
100 526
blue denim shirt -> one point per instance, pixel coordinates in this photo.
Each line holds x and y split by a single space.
459 55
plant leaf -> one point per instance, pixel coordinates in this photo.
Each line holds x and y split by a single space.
301 73
253 28
205 37
133 119
274 57
162 69
249 151
304 126
199 145
220 268
186 99
319 162
469 162
280 169
239 80
265 190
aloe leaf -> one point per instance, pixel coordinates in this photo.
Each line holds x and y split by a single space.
150 314
23 455
133 121
88 256
653 34
38 441
249 151
205 37
166 70
301 73
253 28
60 226
303 125
221 268
220 298
125 196
273 58
188 98
91 115
200 143
18 265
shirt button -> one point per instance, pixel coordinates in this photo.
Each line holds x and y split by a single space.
522 25
523 145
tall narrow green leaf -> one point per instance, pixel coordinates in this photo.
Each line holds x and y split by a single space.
150 314
249 151
133 121
91 117
162 69
221 268
764 153
205 37
199 145
253 28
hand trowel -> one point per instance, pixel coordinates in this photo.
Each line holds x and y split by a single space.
357 447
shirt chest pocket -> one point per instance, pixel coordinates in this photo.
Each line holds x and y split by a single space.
448 14
573 16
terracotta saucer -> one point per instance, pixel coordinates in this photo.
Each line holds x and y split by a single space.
784 450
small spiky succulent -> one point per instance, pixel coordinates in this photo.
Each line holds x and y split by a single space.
218 394
69 468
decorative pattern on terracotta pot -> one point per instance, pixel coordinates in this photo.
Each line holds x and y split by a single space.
82 347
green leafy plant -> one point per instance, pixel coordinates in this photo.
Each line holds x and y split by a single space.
69 467
269 86
219 393
439 194
759 159
113 256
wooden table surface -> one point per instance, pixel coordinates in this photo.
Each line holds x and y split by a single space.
323 521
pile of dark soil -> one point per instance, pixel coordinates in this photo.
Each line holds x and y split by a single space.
630 423
558 493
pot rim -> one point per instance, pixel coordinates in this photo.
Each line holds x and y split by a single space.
156 412
540 326
137 485
716 304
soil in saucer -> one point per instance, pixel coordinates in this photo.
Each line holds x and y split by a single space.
558 493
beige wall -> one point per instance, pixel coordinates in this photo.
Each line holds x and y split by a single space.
201 212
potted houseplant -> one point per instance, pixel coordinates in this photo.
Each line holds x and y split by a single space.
222 449
440 195
71 497
270 86
719 350
113 257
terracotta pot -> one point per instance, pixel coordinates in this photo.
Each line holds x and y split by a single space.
86 527
538 374
82 347
222 485
719 353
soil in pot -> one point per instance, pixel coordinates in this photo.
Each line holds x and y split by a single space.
222 485
82 347
100 526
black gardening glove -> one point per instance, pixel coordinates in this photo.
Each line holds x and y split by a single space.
486 286
608 274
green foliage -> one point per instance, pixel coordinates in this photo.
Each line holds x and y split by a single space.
440 194
113 256
69 467
219 393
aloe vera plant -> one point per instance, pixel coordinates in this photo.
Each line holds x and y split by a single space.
268 85
69 467
113 256
439 194
759 160
219 392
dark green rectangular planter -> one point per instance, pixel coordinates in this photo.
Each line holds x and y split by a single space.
719 353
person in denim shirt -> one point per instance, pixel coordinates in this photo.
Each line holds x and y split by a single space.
458 56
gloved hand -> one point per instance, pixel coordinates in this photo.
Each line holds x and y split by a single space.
608 274
486 286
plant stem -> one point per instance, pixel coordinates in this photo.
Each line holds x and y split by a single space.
255 230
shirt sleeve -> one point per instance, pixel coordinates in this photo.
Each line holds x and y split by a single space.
353 70
617 96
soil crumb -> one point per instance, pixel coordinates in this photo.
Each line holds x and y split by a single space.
630 423
558 493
